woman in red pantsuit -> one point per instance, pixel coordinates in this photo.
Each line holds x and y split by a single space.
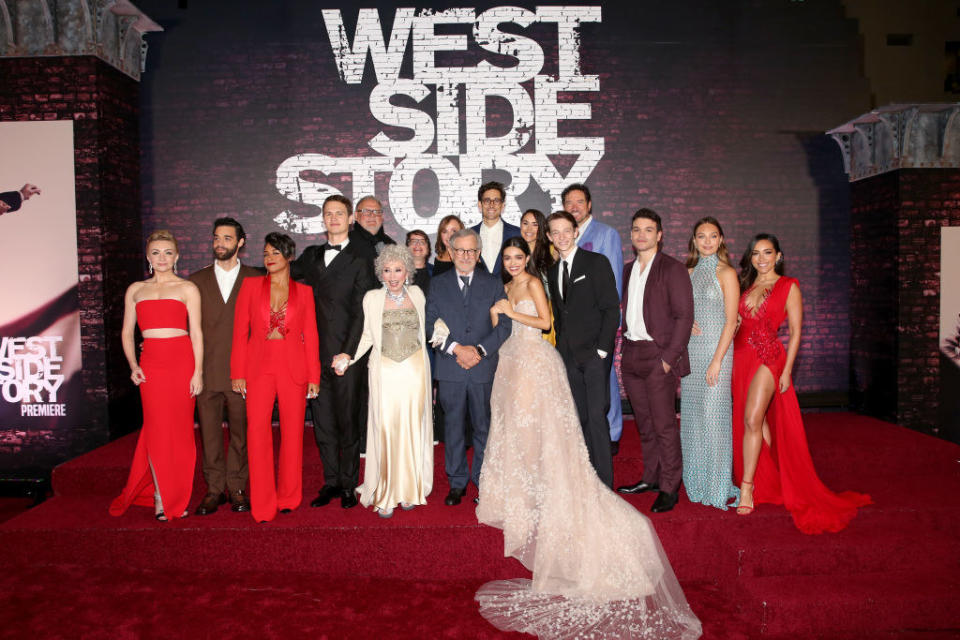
275 356
169 376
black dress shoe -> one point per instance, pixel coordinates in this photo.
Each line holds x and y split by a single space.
664 502
239 501
348 498
210 503
614 447
453 498
640 487
327 493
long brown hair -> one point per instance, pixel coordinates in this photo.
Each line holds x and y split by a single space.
441 248
747 271
693 256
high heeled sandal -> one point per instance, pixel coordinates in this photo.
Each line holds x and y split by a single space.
742 509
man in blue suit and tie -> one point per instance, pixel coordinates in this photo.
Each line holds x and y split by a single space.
467 357
493 230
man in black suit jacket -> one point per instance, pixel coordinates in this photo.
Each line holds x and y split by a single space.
369 225
586 310
340 272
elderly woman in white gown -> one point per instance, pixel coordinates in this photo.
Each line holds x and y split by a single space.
398 468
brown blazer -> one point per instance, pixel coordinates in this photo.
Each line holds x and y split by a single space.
667 309
216 321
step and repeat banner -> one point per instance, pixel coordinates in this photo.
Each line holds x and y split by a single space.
260 110
40 362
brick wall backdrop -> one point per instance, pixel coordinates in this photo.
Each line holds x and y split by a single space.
705 108
104 105
895 305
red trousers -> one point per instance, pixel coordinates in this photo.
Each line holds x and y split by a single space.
271 381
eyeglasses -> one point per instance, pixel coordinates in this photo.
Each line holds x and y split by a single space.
490 201
372 212
418 242
466 252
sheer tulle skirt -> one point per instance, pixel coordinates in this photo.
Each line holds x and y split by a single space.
598 567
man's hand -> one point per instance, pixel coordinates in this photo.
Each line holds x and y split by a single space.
28 190
467 356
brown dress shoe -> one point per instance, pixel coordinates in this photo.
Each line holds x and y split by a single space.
210 503
239 501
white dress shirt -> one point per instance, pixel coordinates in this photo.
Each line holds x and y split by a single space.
569 261
226 279
636 327
582 228
491 239
329 254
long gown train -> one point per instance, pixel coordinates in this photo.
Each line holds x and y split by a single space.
598 568
785 473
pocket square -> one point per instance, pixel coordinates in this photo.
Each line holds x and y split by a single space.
580 278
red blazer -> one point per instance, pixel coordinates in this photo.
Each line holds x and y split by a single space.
667 309
250 323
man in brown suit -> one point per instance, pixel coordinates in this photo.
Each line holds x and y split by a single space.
657 304
219 285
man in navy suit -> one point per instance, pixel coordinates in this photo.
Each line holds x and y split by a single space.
467 358
493 230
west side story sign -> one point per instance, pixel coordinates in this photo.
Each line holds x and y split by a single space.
452 140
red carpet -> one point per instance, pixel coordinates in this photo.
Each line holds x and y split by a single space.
71 570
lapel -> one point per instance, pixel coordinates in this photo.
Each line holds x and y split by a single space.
554 282
651 288
210 291
376 316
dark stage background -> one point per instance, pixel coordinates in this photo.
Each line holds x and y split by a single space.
693 108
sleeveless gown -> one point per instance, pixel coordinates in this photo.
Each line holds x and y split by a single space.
598 568
166 442
705 433
785 473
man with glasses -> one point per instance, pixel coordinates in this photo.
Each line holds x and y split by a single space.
466 358
493 230
369 227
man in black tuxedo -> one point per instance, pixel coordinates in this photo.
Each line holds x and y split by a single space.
340 272
586 310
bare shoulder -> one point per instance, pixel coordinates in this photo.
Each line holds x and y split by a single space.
134 289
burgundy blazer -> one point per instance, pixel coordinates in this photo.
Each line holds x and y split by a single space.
667 309
252 319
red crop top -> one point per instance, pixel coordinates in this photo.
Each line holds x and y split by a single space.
165 313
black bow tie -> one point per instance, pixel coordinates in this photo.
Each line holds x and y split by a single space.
335 247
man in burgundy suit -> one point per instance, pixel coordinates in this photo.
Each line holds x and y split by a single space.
657 305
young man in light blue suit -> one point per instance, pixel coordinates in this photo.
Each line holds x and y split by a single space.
466 358
493 229
600 238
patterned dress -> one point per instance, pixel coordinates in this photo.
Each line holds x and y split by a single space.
705 428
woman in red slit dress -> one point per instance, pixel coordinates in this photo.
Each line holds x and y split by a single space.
276 356
167 309
774 464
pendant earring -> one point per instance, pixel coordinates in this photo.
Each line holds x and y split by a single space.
174 267
150 267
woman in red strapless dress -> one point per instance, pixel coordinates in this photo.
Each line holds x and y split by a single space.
167 309
774 463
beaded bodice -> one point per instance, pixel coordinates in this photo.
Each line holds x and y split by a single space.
708 298
521 330
401 333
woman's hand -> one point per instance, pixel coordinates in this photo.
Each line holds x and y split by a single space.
784 381
136 374
340 363
312 390
695 330
196 384
503 306
713 374
239 386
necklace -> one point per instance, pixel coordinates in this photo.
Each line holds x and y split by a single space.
397 298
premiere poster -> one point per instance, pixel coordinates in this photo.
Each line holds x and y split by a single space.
40 358
950 333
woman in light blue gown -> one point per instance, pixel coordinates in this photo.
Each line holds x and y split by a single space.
705 407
